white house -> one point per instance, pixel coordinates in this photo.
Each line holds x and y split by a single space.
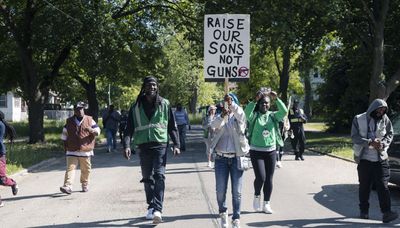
13 107
316 80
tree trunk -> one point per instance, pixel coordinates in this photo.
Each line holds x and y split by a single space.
193 101
35 118
92 99
377 86
308 95
284 77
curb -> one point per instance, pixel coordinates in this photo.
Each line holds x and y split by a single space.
41 164
330 155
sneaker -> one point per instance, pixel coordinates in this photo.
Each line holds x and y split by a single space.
389 216
236 223
257 203
66 190
85 188
210 165
279 164
157 217
267 208
364 215
149 215
14 189
224 219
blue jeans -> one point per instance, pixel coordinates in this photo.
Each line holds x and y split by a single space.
223 168
111 135
182 136
152 163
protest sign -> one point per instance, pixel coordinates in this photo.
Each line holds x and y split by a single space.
226 47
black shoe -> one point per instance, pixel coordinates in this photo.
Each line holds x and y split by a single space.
389 216
364 215
14 189
296 158
301 157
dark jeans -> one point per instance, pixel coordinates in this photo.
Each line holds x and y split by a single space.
378 173
264 168
152 162
111 138
182 136
298 140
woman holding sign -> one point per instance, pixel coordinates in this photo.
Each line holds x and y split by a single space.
229 126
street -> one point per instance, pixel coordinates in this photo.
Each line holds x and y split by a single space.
320 191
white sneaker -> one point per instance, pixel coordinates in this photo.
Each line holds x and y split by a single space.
157 217
279 164
210 165
224 219
149 215
267 208
236 223
257 203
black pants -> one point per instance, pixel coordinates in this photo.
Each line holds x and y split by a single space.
264 167
299 139
378 173
152 163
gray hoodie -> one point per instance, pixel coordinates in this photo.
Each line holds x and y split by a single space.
361 137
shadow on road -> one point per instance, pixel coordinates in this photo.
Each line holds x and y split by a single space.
328 222
132 222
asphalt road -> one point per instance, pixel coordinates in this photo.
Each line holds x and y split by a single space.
318 192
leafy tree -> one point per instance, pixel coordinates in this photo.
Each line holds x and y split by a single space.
39 39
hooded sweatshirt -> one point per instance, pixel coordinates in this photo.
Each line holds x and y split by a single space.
365 129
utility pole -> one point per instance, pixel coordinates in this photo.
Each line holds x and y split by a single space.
109 95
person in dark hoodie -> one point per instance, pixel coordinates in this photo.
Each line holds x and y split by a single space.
371 134
6 131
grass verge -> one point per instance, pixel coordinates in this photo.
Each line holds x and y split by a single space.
334 144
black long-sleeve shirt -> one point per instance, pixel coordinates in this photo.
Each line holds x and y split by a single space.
150 111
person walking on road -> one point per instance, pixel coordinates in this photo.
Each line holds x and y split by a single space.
111 120
209 131
284 127
122 125
371 134
182 120
228 127
150 121
6 131
297 118
264 139
78 136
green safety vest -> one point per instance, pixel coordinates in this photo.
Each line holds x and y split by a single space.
153 130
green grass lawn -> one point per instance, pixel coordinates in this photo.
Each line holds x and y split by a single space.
335 144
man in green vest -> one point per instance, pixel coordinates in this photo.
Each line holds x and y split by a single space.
150 122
